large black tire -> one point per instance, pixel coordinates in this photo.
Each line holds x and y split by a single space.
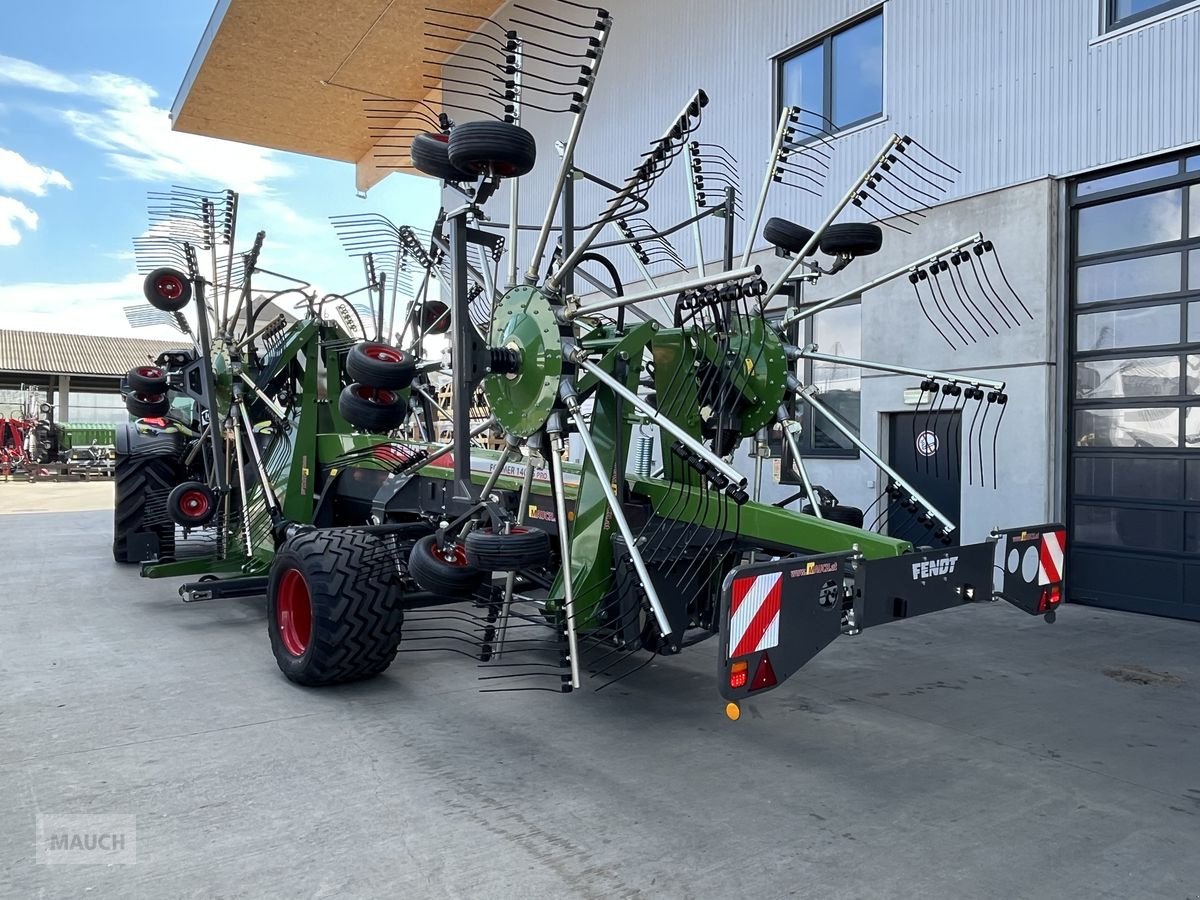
147 406
787 235
429 156
147 380
501 148
372 409
334 608
380 366
192 504
141 484
852 239
438 575
521 548
167 289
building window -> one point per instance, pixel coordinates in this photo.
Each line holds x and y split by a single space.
837 79
1123 12
836 332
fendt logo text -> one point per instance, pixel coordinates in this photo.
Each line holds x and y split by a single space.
934 568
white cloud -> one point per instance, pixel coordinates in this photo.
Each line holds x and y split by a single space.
12 214
89 308
135 134
19 174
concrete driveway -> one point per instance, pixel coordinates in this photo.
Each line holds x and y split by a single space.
977 753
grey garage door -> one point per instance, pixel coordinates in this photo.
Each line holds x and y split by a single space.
1134 422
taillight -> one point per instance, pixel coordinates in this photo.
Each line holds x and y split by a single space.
738 674
1051 597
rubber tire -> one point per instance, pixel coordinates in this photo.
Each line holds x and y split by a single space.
852 239
437 576
846 515
140 482
155 296
391 375
479 147
787 235
179 516
428 153
522 548
142 406
356 603
143 382
371 415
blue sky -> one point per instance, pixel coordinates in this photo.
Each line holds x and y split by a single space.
85 133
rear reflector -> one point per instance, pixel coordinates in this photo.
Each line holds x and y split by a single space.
764 675
738 674
1051 597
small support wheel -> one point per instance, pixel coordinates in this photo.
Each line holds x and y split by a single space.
520 548
147 406
429 156
147 380
787 235
435 317
498 148
381 366
167 289
192 504
444 571
852 239
372 409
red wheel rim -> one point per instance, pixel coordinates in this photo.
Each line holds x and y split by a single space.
194 504
383 353
150 372
293 612
148 398
377 396
450 555
169 287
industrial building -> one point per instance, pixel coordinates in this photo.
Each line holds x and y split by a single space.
1090 193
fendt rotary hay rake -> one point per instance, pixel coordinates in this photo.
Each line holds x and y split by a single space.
611 526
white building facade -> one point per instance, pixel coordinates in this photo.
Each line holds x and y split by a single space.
1076 127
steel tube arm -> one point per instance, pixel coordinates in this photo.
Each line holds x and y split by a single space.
660 420
664 291
836 422
903 370
755 220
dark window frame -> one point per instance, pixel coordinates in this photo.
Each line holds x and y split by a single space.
825 39
1112 21
1185 178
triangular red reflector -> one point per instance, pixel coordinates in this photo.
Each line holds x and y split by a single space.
764 675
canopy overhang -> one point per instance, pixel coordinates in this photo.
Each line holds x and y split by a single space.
293 74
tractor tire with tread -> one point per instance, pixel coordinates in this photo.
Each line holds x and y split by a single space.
141 485
346 580
147 406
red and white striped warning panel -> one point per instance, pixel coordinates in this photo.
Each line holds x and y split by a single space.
1050 557
754 613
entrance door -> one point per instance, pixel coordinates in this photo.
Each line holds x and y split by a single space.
924 448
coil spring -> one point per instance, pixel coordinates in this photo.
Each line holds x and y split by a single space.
643 464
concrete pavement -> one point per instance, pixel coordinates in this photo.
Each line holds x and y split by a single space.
977 753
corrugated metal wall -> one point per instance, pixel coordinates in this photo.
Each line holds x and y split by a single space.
1008 90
